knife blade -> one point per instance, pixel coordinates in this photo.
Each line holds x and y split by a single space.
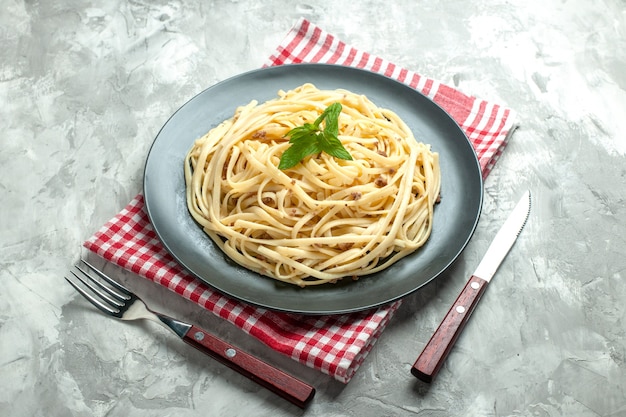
440 344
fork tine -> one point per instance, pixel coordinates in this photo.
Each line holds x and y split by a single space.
106 295
122 298
111 281
97 303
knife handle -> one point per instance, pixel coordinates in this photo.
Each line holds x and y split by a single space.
438 347
277 381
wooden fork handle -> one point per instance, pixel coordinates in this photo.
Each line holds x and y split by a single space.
277 381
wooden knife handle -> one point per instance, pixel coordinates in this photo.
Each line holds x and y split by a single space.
277 381
436 350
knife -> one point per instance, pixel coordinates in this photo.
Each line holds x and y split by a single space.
440 344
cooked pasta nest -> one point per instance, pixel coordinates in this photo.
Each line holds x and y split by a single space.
326 218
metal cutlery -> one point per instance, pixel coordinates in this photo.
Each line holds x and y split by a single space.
440 344
115 300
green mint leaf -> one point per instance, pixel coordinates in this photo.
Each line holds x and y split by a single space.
297 152
300 135
332 119
321 118
309 139
332 146
301 132
341 153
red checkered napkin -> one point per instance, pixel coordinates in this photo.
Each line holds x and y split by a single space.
333 344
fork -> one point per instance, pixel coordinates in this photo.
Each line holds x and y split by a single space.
117 301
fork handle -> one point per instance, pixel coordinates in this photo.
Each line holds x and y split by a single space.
277 381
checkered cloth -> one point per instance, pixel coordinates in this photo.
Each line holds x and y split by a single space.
333 344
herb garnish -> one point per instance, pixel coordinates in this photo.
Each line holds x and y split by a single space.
309 139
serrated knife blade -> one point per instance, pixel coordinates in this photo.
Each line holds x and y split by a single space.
440 344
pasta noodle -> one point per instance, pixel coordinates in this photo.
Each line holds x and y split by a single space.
325 218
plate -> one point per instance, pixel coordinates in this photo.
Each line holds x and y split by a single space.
455 218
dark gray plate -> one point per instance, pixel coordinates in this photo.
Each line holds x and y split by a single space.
455 217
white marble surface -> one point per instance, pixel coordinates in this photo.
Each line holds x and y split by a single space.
86 86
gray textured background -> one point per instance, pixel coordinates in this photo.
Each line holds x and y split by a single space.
85 87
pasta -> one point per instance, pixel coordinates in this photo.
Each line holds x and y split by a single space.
325 218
